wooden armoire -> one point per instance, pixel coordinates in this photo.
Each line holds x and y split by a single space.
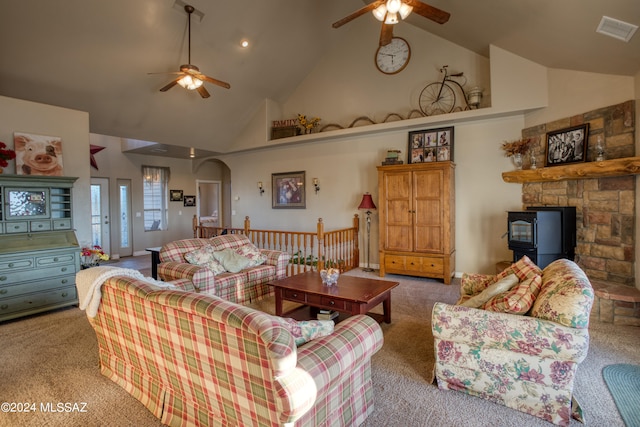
417 219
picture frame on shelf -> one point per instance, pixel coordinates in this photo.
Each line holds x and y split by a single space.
175 195
431 145
288 190
567 145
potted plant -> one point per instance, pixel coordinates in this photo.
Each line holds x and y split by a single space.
516 149
91 256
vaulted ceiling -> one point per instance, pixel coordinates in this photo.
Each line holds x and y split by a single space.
95 55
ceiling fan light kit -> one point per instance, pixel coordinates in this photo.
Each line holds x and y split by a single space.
387 11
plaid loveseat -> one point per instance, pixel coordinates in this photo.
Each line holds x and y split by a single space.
528 361
198 360
248 285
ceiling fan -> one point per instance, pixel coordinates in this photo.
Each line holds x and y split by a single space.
190 76
387 11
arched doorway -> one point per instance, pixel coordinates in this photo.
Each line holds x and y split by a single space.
213 179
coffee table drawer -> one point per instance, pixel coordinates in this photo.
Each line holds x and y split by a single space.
329 302
295 296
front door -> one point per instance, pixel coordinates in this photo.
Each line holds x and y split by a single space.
100 228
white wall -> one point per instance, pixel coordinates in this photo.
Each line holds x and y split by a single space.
575 92
73 127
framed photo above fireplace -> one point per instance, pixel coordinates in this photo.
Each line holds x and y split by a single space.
567 145
432 145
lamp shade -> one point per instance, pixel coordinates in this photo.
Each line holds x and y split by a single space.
367 202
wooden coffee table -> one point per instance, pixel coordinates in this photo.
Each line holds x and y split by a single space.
353 295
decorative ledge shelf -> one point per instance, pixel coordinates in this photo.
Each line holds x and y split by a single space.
614 167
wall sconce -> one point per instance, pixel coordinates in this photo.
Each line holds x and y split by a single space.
316 184
260 188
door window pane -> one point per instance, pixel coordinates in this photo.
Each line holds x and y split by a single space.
96 222
124 216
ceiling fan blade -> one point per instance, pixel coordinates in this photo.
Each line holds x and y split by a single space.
430 12
170 85
386 34
357 14
214 81
203 92
167 72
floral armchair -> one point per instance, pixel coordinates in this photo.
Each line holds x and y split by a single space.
526 361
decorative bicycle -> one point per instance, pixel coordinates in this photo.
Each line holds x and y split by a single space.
440 97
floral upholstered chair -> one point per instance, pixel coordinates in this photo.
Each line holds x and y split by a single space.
520 347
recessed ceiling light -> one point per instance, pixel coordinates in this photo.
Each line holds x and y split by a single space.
244 43
617 29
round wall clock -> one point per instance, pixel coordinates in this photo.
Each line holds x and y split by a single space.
394 57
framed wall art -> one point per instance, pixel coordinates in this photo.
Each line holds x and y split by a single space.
567 145
432 145
175 195
189 200
38 154
288 190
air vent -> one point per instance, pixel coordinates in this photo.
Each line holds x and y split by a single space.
617 29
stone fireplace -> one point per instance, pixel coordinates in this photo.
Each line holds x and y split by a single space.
605 207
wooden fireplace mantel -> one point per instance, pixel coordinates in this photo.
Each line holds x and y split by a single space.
605 168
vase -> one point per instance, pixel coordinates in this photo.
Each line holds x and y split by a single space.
517 160
329 277
1 170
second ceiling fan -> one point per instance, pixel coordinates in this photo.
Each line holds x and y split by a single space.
388 11
189 76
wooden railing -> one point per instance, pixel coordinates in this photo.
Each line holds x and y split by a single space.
308 250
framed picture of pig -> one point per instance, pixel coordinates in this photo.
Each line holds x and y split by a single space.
38 154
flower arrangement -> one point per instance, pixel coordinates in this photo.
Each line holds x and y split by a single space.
308 125
519 146
92 256
5 155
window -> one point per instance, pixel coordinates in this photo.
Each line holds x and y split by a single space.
155 184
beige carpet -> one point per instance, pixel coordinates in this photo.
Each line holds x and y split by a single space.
52 358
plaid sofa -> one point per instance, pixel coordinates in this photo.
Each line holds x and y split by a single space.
198 360
243 287
526 362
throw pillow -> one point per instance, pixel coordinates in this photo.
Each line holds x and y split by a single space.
253 253
499 287
231 260
524 268
305 331
518 300
204 258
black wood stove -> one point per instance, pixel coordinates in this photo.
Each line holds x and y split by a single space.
543 233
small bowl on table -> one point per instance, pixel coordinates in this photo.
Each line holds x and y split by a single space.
330 276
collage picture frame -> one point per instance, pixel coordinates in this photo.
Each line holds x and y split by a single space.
431 145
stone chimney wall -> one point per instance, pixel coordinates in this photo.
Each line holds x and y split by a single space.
605 207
